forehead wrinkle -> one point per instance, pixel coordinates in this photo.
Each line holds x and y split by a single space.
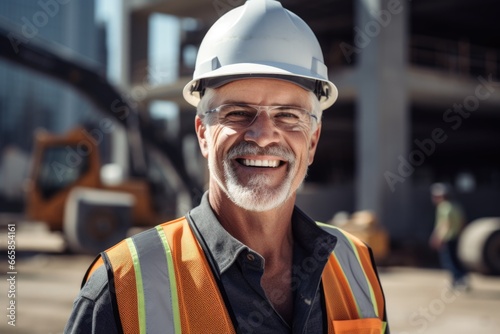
263 92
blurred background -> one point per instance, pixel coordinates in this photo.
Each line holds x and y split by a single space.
96 141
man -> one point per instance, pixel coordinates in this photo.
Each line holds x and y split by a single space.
450 220
246 260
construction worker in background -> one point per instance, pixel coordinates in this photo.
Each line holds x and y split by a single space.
246 260
450 220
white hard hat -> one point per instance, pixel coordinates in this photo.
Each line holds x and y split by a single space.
256 40
440 189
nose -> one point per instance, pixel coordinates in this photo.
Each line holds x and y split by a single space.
262 131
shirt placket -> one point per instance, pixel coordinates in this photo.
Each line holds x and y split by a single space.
253 270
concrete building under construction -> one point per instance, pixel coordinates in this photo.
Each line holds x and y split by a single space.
419 99
419 92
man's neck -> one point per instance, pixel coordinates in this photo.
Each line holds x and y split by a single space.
269 233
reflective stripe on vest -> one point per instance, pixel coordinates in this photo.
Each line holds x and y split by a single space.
153 267
360 308
359 285
165 276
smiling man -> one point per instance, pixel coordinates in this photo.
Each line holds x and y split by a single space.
246 260
264 133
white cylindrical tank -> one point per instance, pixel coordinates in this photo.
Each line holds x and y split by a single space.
479 246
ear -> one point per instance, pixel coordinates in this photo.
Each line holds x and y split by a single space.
313 143
201 132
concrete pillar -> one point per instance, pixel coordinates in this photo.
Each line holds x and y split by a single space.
381 35
115 14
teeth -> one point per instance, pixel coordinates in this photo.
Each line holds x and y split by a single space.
261 163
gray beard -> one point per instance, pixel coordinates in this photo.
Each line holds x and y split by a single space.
257 195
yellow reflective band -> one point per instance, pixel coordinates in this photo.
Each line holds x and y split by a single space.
173 282
138 282
372 294
358 309
355 251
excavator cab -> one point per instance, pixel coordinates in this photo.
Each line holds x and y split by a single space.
95 200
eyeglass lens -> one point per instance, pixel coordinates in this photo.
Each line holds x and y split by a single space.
241 116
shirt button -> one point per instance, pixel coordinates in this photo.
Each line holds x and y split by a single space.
250 257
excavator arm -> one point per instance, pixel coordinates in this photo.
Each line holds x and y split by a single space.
54 61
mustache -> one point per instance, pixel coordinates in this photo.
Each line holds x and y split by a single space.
247 148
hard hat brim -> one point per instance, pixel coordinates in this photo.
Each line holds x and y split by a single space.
251 70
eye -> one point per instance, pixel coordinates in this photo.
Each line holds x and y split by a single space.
284 114
287 114
237 114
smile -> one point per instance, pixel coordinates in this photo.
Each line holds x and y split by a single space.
260 163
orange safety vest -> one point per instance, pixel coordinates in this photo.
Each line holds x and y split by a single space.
163 283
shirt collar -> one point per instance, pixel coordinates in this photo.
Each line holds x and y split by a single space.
225 249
